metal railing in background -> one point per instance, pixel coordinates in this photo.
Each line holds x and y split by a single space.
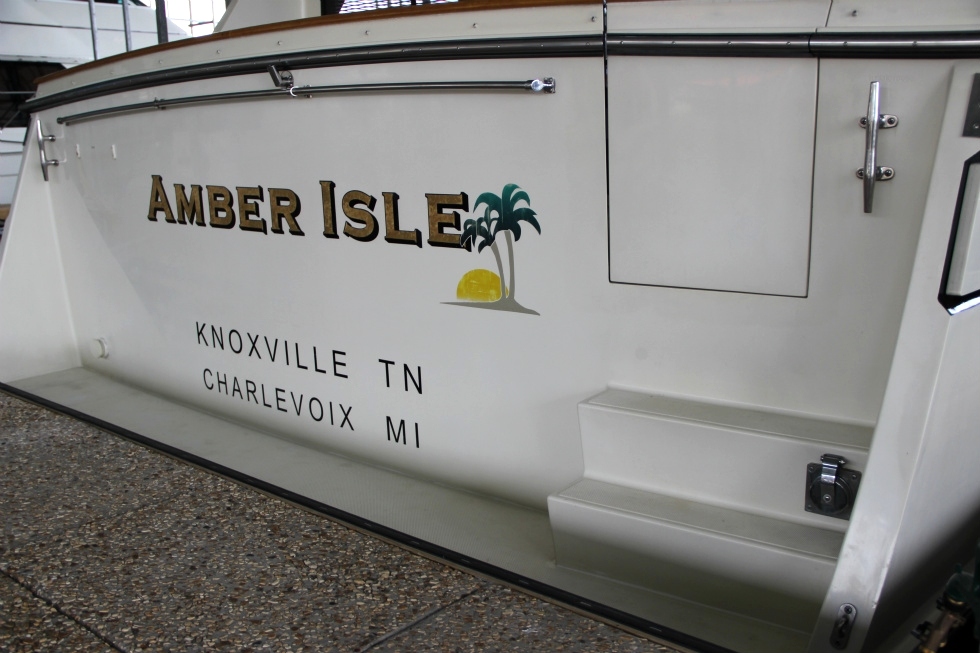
95 30
162 36
126 25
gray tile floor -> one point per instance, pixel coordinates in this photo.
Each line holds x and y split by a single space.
109 546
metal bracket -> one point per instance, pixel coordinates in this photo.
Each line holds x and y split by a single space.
872 122
846 616
830 489
281 78
885 121
546 85
884 174
41 138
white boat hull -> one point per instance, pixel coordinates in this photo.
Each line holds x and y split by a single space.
287 288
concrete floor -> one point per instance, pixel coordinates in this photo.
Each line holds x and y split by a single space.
109 546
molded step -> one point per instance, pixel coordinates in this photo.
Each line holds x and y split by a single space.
770 569
749 460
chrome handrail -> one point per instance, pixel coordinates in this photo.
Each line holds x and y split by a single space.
537 86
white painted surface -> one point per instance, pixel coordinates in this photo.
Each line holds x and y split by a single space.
74 14
7 186
904 14
246 13
575 20
758 468
37 335
59 31
130 285
314 289
940 525
11 147
726 529
55 44
906 526
964 267
717 16
762 568
710 172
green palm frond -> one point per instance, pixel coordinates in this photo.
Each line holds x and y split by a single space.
492 201
510 198
501 213
482 228
468 236
526 214
510 215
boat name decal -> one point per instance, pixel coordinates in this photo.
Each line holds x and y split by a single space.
501 218
285 206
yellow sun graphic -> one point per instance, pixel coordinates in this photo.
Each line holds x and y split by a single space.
479 286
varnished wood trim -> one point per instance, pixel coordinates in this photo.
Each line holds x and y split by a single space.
318 21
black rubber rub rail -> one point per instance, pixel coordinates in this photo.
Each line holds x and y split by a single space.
902 45
897 45
581 46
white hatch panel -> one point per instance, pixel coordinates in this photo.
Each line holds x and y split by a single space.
710 172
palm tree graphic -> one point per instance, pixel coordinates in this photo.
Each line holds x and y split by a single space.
502 213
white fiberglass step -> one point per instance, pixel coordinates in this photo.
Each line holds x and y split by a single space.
770 569
748 460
